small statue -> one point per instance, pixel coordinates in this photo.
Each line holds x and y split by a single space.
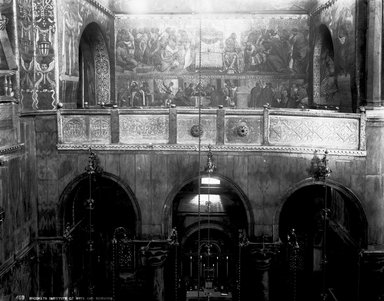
172 239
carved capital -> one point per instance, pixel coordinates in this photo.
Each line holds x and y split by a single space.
155 256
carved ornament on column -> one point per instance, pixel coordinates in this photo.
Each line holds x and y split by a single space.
3 22
45 31
103 77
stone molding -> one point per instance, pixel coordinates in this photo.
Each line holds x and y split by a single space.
102 8
216 148
322 7
8 150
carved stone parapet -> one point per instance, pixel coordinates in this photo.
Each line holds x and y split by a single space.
280 131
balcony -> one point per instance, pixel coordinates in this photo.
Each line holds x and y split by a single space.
177 129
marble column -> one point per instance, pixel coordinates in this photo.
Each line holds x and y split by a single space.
263 264
156 257
372 276
262 258
374 177
374 53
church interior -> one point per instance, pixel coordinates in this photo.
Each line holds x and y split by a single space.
192 150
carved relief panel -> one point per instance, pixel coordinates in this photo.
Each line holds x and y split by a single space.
86 129
136 129
314 132
244 130
188 131
74 129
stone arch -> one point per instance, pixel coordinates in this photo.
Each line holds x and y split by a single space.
336 242
354 200
204 225
168 205
115 206
64 198
323 39
95 67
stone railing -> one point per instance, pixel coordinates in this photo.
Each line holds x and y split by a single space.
275 130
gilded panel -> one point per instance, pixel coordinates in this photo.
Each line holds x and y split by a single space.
136 129
100 129
74 129
314 132
244 60
188 131
243 130
225 44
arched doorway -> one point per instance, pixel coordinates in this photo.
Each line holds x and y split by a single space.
211 233
94 65
335 240
324 76
88 252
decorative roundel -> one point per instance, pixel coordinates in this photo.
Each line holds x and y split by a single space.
196 130
242 130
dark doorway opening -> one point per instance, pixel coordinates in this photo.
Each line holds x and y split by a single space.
309 274
90 265
209 237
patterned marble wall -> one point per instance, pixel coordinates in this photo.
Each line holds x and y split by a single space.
8 125
20 280
158 58
77 15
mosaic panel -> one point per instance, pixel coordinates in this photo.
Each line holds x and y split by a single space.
338 62
44 92
229 44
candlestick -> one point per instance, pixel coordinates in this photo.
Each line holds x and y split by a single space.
227 266
217 266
